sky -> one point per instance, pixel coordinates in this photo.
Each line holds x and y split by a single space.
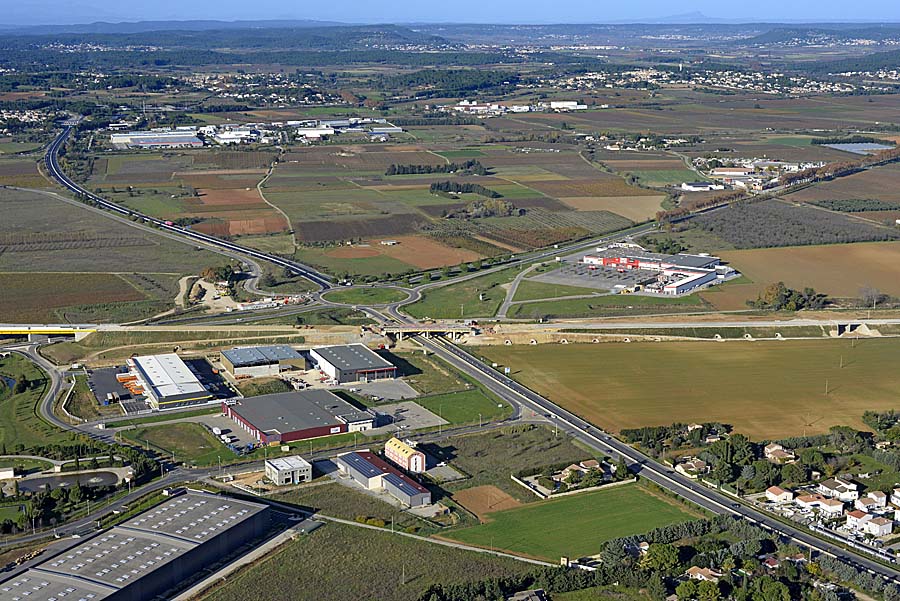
35 12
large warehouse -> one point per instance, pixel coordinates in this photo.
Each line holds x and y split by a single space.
166 381
352 363
298 415
150 554
256 361
373 473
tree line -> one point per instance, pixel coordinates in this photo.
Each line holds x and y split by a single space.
471 166
449 187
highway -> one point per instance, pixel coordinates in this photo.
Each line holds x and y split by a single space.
504 387
51 160
639 463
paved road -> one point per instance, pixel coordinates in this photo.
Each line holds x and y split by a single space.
51 161
712 500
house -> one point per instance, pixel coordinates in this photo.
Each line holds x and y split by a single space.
879 497
856 519
771 562
824 504
895 497
692 468
840 489
776 453
865 504
879 526
703 574
776 494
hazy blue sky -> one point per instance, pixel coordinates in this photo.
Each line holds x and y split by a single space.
397 11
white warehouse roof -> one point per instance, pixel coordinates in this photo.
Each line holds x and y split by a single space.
168 375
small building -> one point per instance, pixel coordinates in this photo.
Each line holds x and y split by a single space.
703 574
879 526
405 455
288 470
352 363
840 489
257 361
856 519
776 453
824 504
372 473
701 186
165 380
299 415
776 494
692 467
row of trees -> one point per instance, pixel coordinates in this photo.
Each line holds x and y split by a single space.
466 188
471 166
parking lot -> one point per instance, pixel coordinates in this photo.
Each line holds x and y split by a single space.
405 417
600 278
390 390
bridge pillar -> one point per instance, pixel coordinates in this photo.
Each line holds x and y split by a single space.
81 335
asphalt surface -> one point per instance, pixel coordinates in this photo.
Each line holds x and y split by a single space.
504 387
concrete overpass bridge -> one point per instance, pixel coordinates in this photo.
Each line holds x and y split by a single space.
453 332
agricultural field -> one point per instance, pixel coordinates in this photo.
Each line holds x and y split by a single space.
21 172
49 298
881 183
841 271
214 190
41 233
765 389
775 223
574 526
338 193
342 562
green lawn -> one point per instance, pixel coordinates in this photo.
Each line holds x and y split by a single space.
664 177
464 407
531 290
765 389
427 374
187 442
617 304
574 526
20 423
365 296
153 419
460 300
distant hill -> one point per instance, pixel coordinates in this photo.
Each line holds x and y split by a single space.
835 32
147 26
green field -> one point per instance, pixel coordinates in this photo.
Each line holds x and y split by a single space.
530 290
185 442
765 389
460 300
365 296
665 177
574 526
342 562
153 419
464 407
20 425
603 306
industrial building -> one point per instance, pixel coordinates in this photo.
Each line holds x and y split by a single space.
288 470
298 415
352 363
405 455
372 473
667 274
165 380
157 139
256 361
152 553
